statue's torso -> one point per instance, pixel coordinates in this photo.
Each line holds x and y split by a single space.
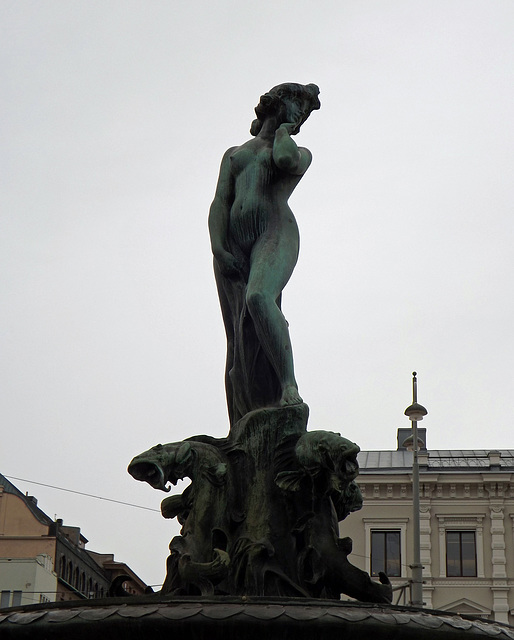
261 192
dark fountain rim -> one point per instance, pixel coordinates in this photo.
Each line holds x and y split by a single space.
246 609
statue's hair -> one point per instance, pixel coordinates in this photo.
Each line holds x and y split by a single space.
270 102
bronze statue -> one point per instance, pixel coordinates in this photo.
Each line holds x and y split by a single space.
255 243
261 514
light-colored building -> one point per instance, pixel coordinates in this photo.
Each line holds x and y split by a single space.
43 560
466 526
27 581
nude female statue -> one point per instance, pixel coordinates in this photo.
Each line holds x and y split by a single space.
255 242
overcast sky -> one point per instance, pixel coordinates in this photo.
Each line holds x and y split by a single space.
114 118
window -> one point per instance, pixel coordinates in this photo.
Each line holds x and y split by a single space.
16 598
450 544
5 599
461 556
62 567
385 553
396 526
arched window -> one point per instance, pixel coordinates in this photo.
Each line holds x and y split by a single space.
89 587
69 573
76 578
62 567
82 582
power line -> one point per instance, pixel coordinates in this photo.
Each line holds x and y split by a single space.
128 504
81 493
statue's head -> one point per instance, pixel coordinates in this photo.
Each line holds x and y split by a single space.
290 102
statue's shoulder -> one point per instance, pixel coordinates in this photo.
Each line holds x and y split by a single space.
229 152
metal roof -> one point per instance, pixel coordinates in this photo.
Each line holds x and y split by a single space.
464 459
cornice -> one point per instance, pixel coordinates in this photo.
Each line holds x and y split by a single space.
433 478
465 583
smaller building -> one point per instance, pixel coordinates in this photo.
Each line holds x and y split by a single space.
466 525
120 574
42 560
26 581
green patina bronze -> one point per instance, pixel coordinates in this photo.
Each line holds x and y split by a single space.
260 517
255 243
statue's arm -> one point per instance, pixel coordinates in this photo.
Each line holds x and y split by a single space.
219 216
287 155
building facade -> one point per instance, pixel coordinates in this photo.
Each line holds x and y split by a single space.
466 526
26 581
42 560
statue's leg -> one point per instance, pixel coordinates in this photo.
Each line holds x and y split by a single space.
228 320
272 261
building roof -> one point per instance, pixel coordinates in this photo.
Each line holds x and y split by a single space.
437 460
30 501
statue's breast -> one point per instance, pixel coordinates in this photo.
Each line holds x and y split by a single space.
250 157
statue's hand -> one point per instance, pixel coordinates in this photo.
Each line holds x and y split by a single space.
228 265
289 127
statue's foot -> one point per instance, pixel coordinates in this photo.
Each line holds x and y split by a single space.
290 396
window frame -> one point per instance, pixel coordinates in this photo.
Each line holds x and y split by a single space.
467 522
461 562
387 524
386 560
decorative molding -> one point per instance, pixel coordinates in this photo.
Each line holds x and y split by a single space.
461 522
463 583
501 604
466 602
497 530
427 489
425 532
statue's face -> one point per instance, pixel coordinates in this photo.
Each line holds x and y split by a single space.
295 109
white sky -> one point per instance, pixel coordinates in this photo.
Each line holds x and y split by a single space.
115 115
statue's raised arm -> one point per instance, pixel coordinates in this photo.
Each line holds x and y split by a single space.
255 243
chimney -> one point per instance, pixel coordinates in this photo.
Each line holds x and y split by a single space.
494 460
406 441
